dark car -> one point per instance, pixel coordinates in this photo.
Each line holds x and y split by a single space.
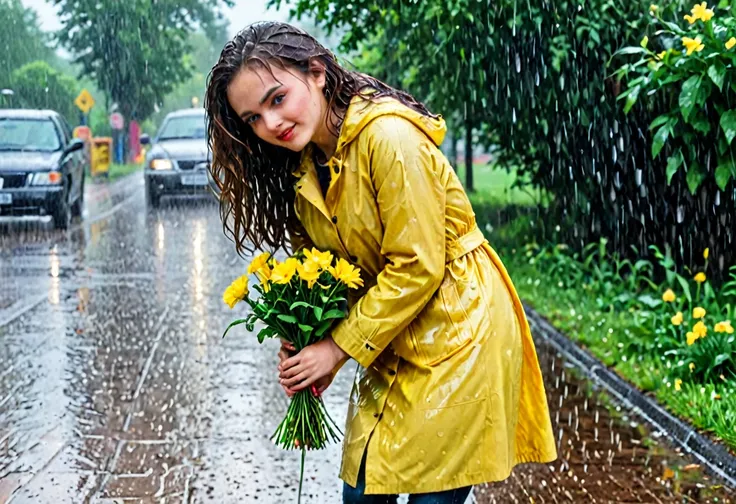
42 167
178 161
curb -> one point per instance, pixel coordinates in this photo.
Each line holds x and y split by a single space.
715 458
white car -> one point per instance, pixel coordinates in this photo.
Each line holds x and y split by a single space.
178 160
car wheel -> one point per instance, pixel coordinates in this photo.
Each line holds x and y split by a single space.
78 205
61 214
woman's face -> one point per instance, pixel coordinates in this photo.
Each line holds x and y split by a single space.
284 107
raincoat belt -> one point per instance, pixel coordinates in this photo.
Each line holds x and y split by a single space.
464 244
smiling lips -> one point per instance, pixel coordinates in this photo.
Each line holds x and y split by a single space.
286 135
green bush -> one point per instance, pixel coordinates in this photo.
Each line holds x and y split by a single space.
696 63
38 85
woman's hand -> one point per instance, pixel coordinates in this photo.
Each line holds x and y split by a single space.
313 363
319 386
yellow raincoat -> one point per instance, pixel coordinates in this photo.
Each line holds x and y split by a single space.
450 393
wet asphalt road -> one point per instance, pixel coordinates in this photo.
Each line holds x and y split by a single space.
116 385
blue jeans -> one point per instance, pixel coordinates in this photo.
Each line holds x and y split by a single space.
357 495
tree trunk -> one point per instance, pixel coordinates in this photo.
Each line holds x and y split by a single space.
469 155
453 148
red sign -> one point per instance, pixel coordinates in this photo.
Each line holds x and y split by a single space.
83 133
116 121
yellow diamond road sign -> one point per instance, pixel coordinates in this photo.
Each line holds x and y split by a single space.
84 101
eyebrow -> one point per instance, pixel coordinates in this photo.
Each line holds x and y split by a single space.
262 101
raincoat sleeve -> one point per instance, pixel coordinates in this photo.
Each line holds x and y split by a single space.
411 201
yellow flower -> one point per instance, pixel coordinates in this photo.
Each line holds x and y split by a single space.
702 12
668 296
678 384
731 42
706 253
692 45
653 8
236 291
677 318
690 19
691 338
644 41
322 260
309 271
264 275
662 55
700 277
700 330
692 367
347 274
283 272
724 327
698 312
258 262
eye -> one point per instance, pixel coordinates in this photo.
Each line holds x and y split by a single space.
251 119
279 99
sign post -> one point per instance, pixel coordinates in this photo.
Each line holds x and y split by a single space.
117 121
84 103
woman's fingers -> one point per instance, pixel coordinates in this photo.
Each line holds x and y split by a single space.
300 381
291 372
287 345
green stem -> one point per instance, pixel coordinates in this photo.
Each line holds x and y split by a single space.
301 475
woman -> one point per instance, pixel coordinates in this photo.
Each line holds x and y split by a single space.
307 153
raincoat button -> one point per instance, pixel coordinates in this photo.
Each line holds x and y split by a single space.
376 415
337 169
334 219
391 372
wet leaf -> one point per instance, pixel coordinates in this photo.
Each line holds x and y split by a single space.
728 123
723 174
695 177
717 73
673 164
688 95
660 138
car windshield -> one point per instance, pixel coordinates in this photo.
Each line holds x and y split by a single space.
183 127
28 135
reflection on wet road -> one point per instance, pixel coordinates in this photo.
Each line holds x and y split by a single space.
116 385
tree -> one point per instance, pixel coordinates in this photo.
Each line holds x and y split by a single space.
21 39
135 49
38 85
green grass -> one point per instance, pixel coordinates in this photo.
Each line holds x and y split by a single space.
117 171
495 185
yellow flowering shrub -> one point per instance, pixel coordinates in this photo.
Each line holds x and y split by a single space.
689 55
703 343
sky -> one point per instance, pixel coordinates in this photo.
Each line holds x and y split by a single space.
241 14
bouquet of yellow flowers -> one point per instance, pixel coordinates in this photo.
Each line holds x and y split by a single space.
299 301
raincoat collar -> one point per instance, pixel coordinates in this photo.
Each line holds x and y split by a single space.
360 113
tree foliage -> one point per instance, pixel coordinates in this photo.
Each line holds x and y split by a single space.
135 49
21 39
38 85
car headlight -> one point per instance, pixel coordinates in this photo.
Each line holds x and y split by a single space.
46 178
161 164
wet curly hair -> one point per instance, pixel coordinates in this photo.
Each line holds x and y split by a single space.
254 178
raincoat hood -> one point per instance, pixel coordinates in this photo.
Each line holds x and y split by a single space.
362 112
